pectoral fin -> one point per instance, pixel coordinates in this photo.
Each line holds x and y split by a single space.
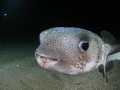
103 68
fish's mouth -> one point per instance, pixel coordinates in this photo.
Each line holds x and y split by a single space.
45 61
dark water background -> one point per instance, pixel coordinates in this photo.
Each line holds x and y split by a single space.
26 19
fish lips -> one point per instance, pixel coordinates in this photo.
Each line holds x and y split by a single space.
46 61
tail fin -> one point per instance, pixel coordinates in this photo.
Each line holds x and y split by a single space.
114 53
115 56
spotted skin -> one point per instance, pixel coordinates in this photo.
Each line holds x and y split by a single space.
61 50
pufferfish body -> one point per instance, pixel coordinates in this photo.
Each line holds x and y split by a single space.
75 51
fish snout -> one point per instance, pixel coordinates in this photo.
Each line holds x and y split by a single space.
45 61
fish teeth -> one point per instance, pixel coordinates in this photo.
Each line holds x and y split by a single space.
46 60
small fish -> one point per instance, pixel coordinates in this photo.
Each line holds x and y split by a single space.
74 51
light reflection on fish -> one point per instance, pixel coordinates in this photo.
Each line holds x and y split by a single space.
75 51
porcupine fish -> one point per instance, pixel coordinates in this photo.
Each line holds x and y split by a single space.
74 51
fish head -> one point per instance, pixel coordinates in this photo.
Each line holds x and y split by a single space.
69 50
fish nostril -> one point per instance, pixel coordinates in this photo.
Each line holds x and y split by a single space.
37 55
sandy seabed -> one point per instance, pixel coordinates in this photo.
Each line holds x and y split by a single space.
20 71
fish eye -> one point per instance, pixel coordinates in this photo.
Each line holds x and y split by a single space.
83 46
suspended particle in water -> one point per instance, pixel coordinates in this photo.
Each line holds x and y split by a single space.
5 14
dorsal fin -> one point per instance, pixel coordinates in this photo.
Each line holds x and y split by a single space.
108 38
